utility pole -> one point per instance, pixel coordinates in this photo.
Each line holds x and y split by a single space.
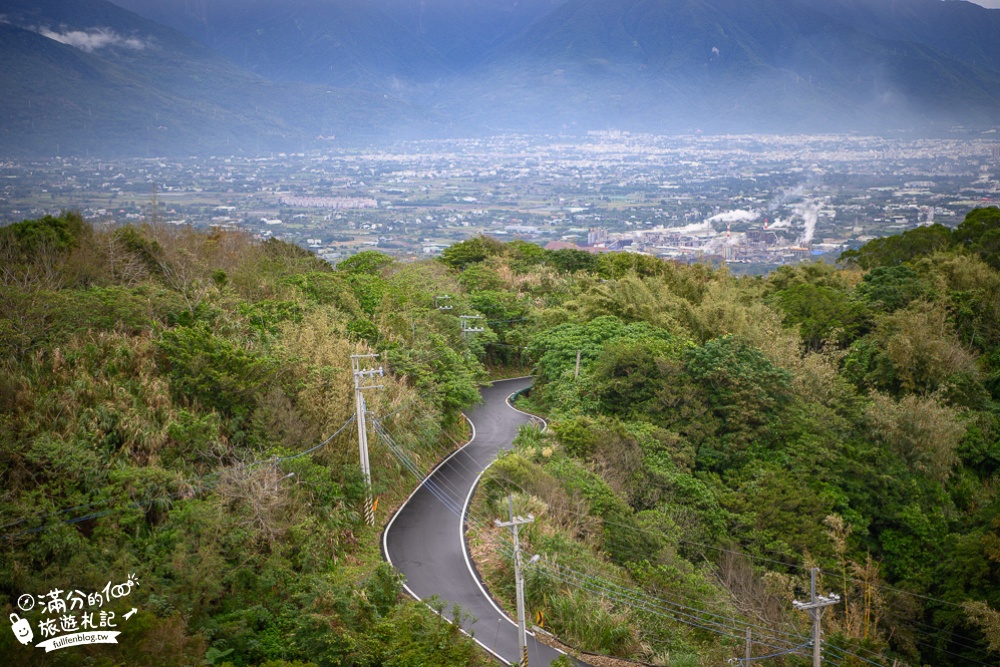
522 630
466 329
815 606
156 207
439 302
747 659
576 373
363 380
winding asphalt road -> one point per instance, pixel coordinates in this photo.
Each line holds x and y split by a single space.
425 539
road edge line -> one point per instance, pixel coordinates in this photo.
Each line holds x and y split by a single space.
392 519
465 509
545 422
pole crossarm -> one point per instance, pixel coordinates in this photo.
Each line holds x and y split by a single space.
363 374
515 521
466 329
820 602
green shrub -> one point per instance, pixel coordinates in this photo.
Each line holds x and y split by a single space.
213 369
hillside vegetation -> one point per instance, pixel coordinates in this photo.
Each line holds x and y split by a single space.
726 435
169 398
167 401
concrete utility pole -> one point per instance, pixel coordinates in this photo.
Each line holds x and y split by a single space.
439 302
466 329
576 372
522 629
363 380
748 653
816 605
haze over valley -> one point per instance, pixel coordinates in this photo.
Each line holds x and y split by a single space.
751 201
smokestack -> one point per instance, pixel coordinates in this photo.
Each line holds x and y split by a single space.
765 224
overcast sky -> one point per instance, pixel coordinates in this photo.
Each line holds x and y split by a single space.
992 4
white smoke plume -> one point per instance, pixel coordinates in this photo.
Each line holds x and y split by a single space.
694 229
93 39
786 195
735 216
809 212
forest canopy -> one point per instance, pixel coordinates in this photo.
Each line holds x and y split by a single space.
177 405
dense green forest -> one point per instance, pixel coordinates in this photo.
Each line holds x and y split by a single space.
168 398
176 405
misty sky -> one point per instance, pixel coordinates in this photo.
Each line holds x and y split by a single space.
992 4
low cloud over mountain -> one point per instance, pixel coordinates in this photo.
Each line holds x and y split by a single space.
92 39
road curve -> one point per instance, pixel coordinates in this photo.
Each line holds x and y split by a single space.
425 539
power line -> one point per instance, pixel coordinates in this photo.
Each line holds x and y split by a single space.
754 557
451 502
948 634
647 606
604 520
844 654
514 319
770 630
794 649
639 529
623 596
672 615
632 595
581 580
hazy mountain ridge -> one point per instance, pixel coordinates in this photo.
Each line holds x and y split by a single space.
753 58
677 65
344 41
461 67
960 29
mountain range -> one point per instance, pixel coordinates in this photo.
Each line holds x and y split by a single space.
190 76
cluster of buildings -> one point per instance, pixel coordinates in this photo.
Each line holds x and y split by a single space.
751 201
